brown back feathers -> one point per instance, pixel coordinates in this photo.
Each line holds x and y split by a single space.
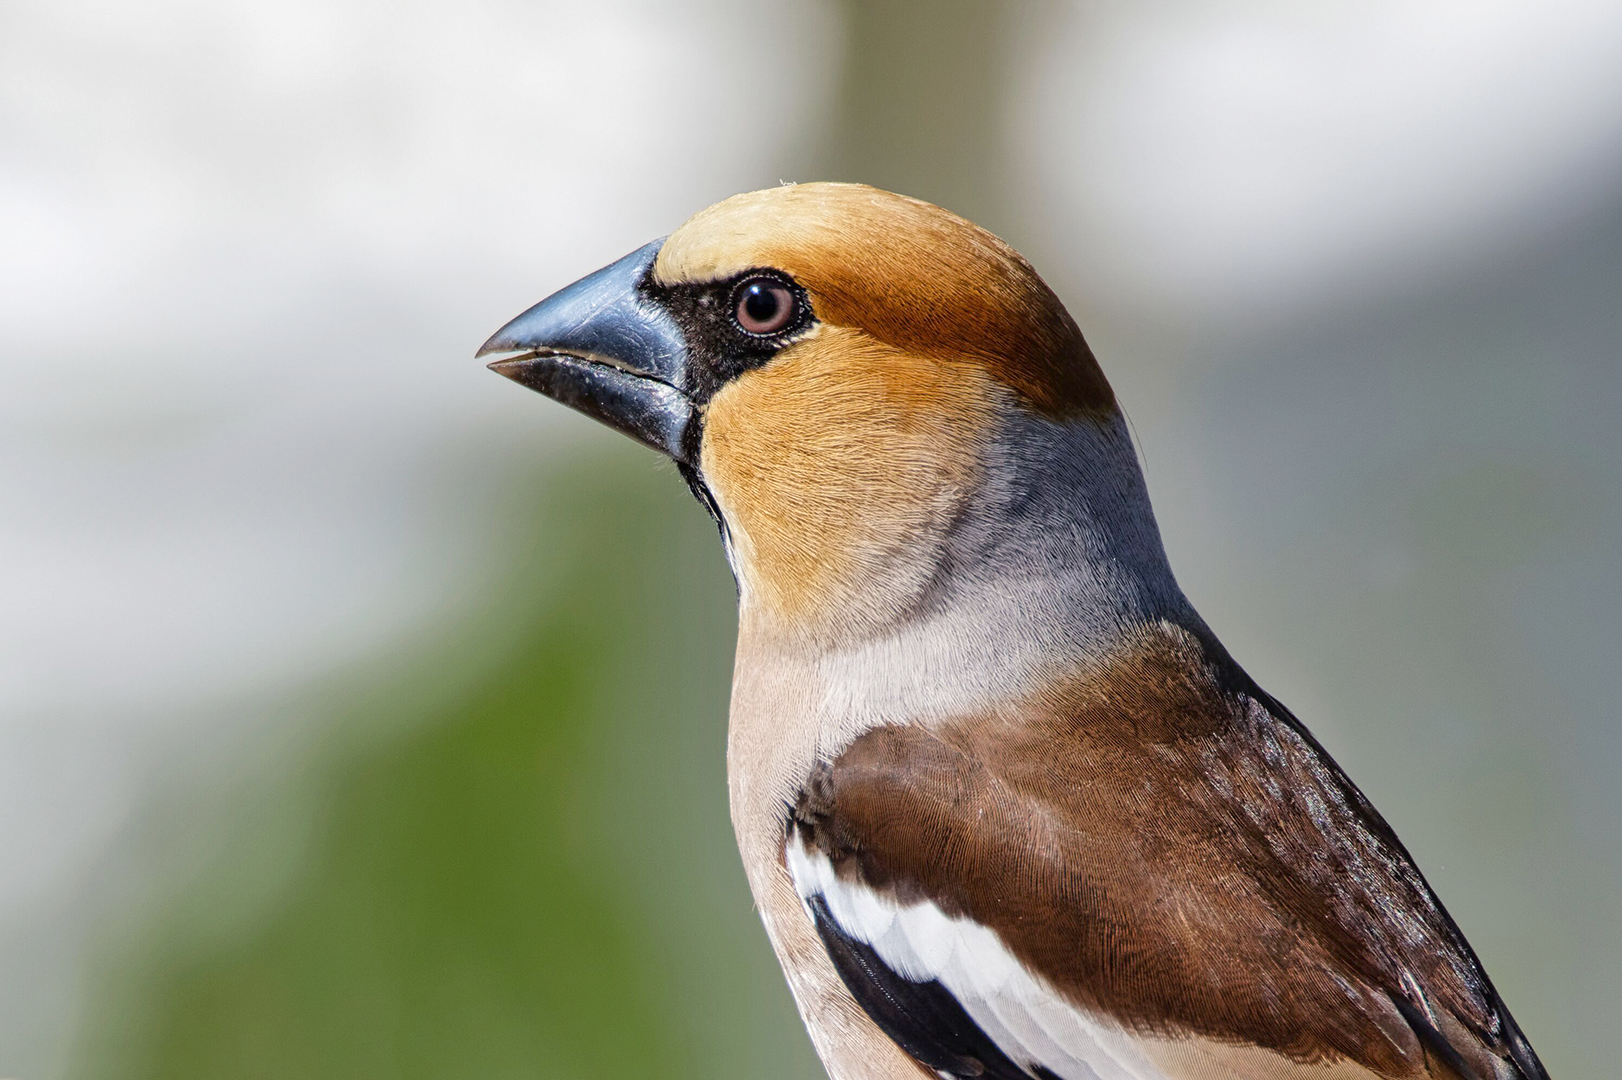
1167 850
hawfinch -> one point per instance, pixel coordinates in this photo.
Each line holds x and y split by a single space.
1007 806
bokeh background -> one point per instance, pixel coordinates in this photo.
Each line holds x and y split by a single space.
362 715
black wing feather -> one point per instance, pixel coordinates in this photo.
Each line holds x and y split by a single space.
923 1018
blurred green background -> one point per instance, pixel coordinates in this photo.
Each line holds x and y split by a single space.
525 871
364 715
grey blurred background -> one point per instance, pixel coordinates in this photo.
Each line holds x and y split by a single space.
362 715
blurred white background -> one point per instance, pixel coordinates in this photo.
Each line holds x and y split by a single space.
246 253
1354 270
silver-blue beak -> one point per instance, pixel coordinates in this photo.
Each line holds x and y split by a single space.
602 346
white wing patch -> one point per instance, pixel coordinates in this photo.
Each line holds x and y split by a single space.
1016 1009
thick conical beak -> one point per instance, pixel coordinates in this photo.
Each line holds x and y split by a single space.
603 347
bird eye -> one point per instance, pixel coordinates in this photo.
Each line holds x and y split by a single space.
764 306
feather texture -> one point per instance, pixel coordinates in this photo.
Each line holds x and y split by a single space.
1152 861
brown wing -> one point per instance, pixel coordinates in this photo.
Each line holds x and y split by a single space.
1167 847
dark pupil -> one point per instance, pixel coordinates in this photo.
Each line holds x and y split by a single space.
762 303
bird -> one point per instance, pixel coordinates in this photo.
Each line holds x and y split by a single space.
1007 807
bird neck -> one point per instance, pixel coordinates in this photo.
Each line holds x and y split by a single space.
1046 565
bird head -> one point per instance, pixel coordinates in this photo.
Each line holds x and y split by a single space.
837 370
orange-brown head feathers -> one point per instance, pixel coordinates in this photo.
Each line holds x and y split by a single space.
839 463
906 273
